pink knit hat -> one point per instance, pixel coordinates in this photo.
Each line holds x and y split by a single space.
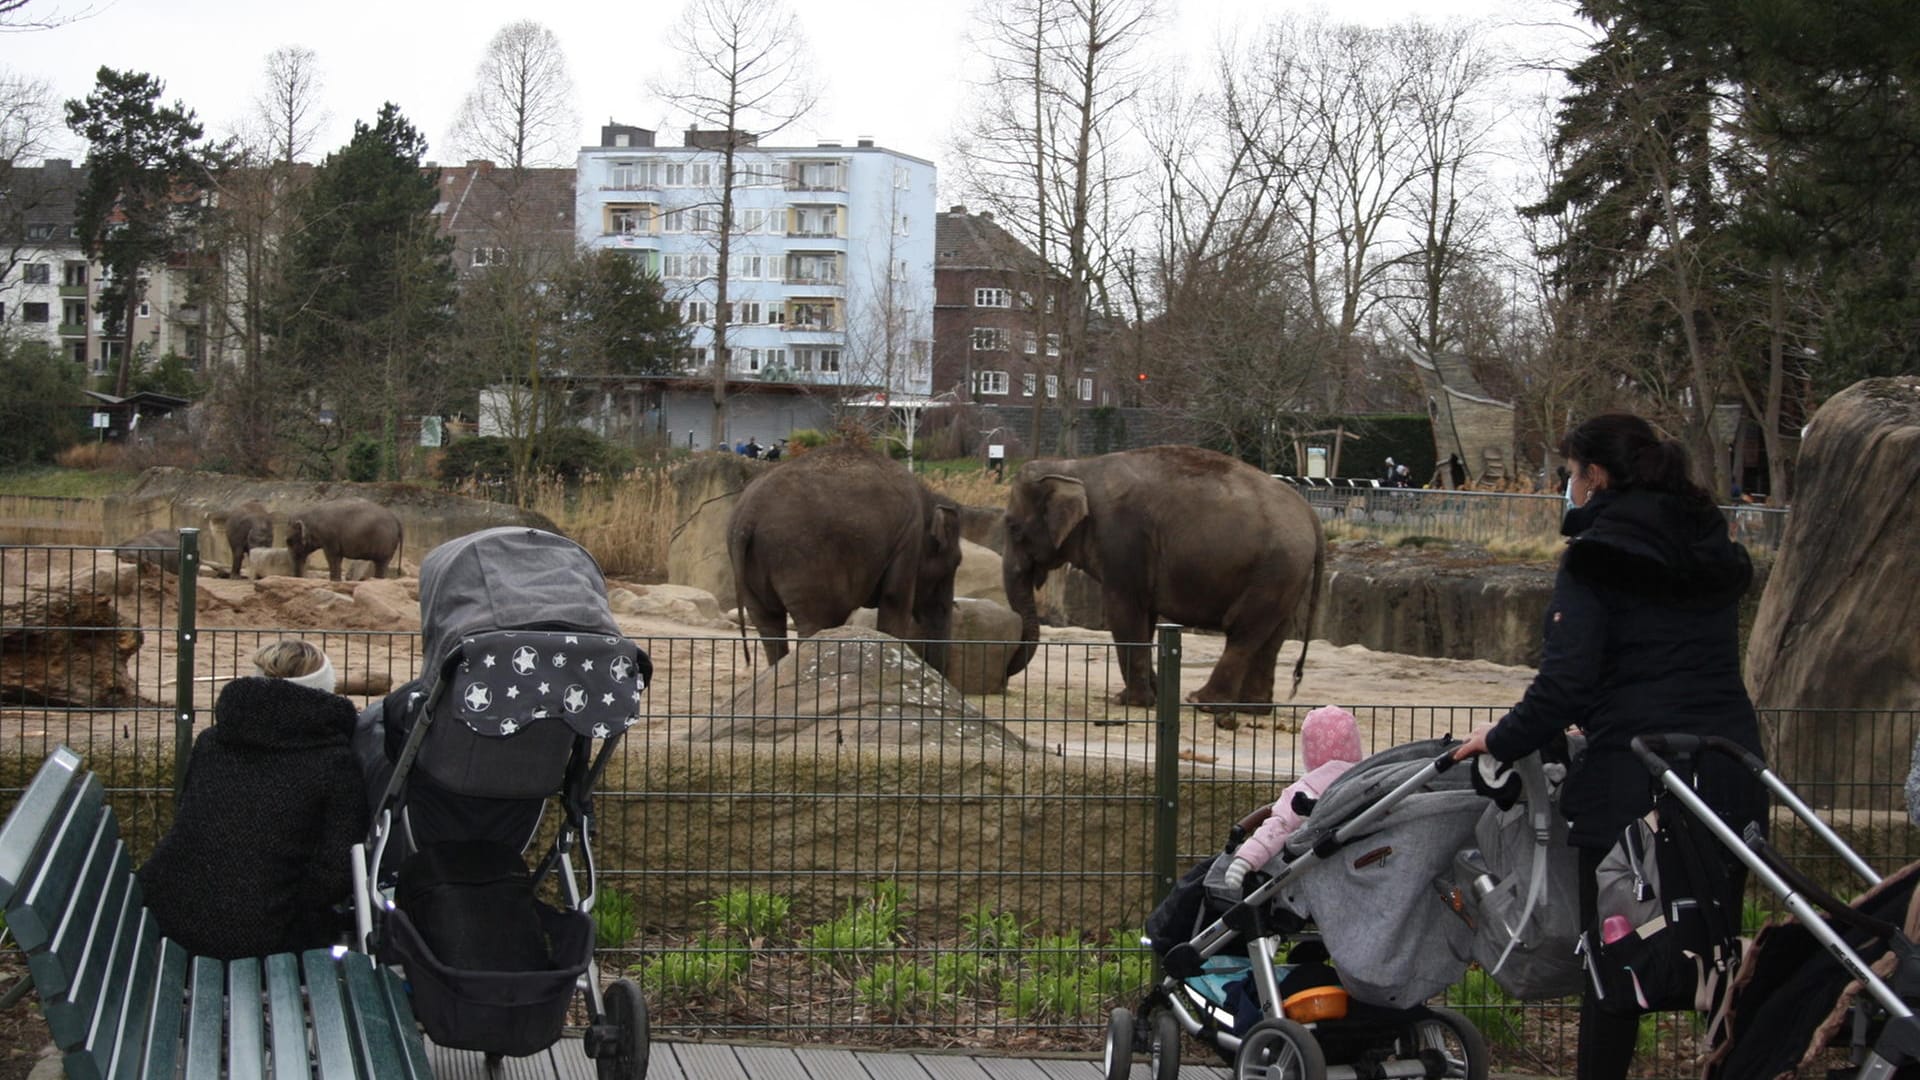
1329 733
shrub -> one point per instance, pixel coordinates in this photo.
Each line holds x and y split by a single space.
896 989
364 459
1070 994
707 966
571 452
987 929
870 923
751 914
482 458
807 439
39 413
968 972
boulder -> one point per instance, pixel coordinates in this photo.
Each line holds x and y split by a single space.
64 642
375 603
681 603
1071 598
986 526
979 575
854 686
987 634
1458 604
131 549
1835 624
704 490
271 562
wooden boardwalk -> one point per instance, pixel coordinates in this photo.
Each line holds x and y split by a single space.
721 1061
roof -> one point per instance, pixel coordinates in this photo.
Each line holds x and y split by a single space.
44 194
481 200
141 397
1455 376
963 241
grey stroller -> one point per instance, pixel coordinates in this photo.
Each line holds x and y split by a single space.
525 671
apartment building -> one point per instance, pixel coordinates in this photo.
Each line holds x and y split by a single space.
830 246
493 213
50 289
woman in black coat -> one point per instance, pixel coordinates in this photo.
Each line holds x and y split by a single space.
1642 637
258 852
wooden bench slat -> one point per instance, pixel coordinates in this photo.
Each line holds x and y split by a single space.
136 1012
286 1016
206 1008
53 968
37 911
71 1014
332 1041
21 838
246 1049
169 1000
382 1050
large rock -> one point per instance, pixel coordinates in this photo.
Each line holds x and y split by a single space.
986 526
986 635
278 562
681 603
979 576
858 687
704 490
1835 628
1071 598
64 643
168 498
1457 604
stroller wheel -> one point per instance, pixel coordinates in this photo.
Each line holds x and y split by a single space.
1449 1045
624 1057
1116 1061
1166 1045
1279 1050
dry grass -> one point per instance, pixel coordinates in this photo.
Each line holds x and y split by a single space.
969 488
624 521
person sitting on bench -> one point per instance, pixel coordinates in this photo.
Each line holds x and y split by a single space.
257 857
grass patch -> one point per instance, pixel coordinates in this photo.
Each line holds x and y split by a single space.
613 920
1496 1013
52 481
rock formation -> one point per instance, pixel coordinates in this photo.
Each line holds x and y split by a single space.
1835 628
703 494
988 634
64 642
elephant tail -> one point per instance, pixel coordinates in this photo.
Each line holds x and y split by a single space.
737 545
1313 606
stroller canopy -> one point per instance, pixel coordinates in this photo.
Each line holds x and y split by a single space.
509 578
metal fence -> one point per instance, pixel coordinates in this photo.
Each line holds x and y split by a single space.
1486 517
856 852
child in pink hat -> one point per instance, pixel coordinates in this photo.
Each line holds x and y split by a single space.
1329 745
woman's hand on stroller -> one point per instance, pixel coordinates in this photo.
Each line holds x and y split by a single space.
1476 743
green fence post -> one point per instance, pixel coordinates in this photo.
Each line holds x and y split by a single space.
183 676
1166 760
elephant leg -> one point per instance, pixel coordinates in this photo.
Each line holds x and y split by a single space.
1256 688
771 622
334 565
1247 648
379 568
1132 627
238 558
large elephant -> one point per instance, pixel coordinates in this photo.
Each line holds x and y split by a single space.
838 529
249 526
344 529
1171 533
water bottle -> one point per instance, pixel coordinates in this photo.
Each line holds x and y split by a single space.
1613 928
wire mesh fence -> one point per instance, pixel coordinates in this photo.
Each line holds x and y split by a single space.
846 847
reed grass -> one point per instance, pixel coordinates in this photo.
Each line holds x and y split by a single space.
624 521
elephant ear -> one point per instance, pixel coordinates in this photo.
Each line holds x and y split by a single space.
944 527
1066 505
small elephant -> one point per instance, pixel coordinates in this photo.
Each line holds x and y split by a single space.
344 529
249 526
139 549
838 529
1175 533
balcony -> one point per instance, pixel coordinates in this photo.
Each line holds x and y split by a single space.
78 292
828 281
73 330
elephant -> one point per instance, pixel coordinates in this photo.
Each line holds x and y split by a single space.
344 529
1175 533
249 526
138 549
841 528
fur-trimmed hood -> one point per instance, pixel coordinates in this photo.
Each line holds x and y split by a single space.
279 714
1653 544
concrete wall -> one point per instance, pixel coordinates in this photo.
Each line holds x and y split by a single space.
40 519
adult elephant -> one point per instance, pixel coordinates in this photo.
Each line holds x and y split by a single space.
249 526
838 529
1175 533
344 529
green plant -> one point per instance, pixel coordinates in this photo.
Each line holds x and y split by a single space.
1057 952
1070 994
707 965
364 459
872 922
896 988
613 919
968 972
1491 1009
807 439
750 914
483 457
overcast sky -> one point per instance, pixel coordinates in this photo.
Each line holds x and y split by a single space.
893 71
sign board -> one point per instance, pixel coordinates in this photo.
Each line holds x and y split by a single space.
996 452
431 431
101 420
1317 462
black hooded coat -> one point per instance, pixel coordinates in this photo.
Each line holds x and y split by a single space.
258 851
1642 637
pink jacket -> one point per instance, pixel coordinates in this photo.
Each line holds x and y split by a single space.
1264 844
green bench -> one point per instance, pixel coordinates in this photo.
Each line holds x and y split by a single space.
123 1001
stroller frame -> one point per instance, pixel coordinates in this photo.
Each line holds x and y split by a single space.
1898 1043
1246 922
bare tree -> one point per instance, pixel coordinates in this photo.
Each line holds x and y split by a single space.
29 117
288 108
520 112
745 75
17 16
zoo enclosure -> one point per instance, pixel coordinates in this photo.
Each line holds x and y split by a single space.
862 878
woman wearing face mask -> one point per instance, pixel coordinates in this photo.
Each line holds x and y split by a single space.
1642 637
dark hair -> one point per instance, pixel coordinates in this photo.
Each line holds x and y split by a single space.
1634 455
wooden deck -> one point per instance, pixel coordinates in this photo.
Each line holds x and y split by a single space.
719 1061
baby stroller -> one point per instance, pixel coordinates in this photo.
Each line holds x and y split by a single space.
1835 974
1381 855
525 669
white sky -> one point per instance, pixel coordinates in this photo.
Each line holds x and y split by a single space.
895 71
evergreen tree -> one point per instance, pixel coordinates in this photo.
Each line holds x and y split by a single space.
369 285
618 318
40 412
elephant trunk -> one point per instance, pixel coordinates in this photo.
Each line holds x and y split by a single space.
1019 579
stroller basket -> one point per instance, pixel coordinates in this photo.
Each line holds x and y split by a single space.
492 968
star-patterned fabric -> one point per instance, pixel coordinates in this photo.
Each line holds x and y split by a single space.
507 679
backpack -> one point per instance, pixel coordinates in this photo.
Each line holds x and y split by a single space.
1679 946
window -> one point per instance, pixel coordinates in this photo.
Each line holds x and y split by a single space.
811 315
623 175
73 274
816 176
685 267
39 232
990 382
830 360
1053 386
73 312
489 256
813 268
146 311
776 314
1029 343
902 225
746 312
989 339
626 219
815 221
776 358
749 267
1053 344
992 298
823 360
78 350
1086 389
31 312
37 274
803 360
900 270
695 312
753 221
1028 384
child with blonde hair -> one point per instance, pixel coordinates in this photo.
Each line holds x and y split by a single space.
1329 746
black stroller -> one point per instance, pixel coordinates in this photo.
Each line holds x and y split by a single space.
525 669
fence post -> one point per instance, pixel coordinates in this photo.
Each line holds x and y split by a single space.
183 676
1166 760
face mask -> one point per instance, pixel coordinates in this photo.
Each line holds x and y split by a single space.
1568 494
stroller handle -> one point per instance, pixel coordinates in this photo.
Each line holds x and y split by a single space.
1653 751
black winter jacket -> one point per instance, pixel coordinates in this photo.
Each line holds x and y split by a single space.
259 845
1642 637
